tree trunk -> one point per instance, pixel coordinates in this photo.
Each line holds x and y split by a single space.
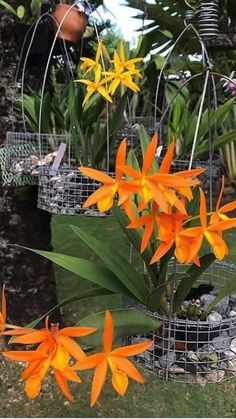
29 279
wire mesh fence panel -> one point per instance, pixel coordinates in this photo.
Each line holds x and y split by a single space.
64 191
194 351
26 152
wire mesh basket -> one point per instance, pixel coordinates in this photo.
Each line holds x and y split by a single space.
212 174
194 351
10 179
130 129
26 152
64 191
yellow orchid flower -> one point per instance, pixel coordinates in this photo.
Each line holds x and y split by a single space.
96 85
122 61
124 78
89 64
120 76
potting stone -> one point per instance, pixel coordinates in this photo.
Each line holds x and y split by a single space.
166 361
221 342
214 317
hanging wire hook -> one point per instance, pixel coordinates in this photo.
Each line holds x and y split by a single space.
189 5
208 21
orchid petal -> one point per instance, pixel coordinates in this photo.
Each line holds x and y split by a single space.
167 160
62 383
120 382
76 332
98 381
132 350
72 347
108 332
128 368
149 155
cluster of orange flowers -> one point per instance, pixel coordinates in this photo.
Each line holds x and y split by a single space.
155 200
57 351
107 82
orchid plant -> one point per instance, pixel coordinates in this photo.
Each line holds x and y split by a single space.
164 217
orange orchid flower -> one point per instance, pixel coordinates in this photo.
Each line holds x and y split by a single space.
3 312
56 348
189 241
219 214
121 368
150 222
104 196
169 227
3 316
160 186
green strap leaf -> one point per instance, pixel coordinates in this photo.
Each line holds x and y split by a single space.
94 292
127 274
126 322
8 7
219 142
134 238
193 273
217 117
87 269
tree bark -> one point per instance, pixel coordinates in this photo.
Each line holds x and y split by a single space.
29 279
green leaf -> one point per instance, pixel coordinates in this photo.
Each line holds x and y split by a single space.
20 11
127 274
100 147
159 61
217 117
87 269
219 142
35 7
132 160
153 39
126 322
192 275
192 206
8 7
94 292
135 239
156 300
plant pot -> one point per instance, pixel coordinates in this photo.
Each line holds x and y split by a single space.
64 191
25 152
193 351
74 24
24 33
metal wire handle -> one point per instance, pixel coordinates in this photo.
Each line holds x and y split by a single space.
208 22
90 9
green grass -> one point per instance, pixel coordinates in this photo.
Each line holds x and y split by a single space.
155 398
